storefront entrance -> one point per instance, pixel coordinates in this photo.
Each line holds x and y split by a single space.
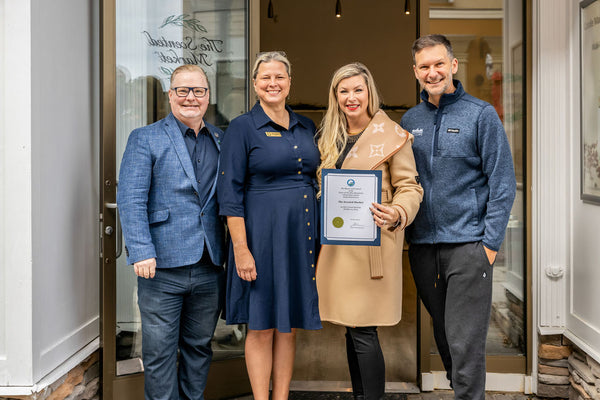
144 40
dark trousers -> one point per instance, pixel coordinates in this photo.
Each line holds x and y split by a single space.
365 361
454 282
179 309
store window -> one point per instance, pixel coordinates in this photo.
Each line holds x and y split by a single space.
487 39
153 37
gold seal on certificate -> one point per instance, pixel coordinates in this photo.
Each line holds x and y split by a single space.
346 196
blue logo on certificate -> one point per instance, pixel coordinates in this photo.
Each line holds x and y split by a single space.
350 182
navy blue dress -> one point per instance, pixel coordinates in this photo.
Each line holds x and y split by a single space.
267 176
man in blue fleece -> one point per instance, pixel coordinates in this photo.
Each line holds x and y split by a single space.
466 170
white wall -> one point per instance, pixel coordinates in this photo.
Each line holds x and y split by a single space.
566 251
49 140
551 154
15 194
583 318
65 185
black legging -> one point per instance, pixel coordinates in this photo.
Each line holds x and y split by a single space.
365 360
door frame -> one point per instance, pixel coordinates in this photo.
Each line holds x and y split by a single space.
501 364
227 377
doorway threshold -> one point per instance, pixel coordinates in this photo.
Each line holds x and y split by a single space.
346 386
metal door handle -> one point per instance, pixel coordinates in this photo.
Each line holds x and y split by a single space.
119 238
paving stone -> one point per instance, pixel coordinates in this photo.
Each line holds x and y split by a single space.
435 395
91 360
91 389
76 393
579 355
553 379
590 390
91 373
546 369
296 395
555 340
561 391
61 392
594 366
562 363
554 352
579 390
58 382
582 369
75 376
574 395
499 396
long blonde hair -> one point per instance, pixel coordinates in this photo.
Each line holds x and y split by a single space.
333 130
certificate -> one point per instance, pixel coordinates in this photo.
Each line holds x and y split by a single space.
346 196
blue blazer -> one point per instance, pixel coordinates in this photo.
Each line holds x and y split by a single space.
158 201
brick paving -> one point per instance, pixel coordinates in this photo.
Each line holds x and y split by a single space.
449 395
436 395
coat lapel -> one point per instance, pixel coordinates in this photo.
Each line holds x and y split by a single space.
381 139
176 137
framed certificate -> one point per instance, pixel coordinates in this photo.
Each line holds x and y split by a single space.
346 196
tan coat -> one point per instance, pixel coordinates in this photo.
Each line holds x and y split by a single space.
362 285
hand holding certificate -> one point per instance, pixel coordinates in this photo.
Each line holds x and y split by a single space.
346 196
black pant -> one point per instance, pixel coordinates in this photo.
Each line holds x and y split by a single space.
454 282
365 361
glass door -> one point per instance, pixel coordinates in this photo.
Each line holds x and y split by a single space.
489 44
143 41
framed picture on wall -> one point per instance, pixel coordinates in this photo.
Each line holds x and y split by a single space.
590 100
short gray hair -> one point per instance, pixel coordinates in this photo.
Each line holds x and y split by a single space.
430 41
187 68
269 56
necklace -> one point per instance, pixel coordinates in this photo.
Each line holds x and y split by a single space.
356 133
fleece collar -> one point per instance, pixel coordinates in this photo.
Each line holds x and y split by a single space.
447 98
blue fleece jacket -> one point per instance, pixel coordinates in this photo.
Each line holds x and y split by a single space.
466 170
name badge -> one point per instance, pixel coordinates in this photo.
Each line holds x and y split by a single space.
453 130
273 134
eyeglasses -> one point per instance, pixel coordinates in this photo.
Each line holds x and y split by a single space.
183 91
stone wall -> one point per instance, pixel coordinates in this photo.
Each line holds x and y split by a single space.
565 371
585 376
81 383
508 314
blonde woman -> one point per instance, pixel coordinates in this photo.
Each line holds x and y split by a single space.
267 191
360 287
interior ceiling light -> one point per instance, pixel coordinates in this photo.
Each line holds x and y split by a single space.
406 7
270 9
338 9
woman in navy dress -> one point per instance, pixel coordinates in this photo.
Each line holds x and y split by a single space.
266 189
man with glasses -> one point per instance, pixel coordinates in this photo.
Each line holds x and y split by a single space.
174 238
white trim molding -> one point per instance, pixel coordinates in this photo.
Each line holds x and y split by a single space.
583 345
550 162
15 194
436 380
53 376
446 13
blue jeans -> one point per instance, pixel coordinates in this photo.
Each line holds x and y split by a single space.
179 309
